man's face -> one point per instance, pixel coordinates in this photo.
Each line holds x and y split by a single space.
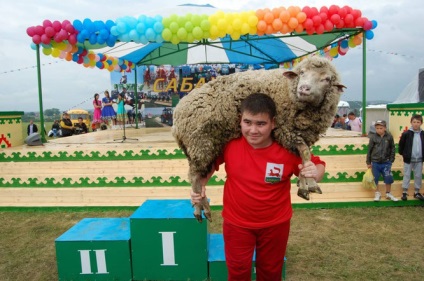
380 129
416 124
257 129
80 121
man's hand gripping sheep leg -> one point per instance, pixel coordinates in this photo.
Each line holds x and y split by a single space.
308 174
198 197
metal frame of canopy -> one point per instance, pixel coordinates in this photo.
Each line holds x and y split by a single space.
156 55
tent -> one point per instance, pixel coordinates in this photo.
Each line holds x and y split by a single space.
203 34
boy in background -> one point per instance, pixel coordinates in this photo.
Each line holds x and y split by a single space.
411 147
380 156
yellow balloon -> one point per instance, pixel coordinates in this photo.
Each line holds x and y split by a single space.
253 20
214 31
237 24
222 24
55 53
245 28
235 35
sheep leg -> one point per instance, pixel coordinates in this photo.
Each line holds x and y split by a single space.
203 204
306 185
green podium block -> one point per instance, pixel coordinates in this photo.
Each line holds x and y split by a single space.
167 242
95 249
216 259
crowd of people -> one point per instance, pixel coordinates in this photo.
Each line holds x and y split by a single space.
347 122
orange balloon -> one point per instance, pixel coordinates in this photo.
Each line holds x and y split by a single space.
269 30
285 29
284 16
292 10
260 14
276 12
261 26
269 17
299 28
293 23
301 17
277 24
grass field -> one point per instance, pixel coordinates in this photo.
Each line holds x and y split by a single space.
325 244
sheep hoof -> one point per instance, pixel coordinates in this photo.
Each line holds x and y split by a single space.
203 205
303 193
315 189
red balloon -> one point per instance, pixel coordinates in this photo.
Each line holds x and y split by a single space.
348 9
31 31
308 24
348 19
323 16
356 13
314 11
342 12
341 24
307 11
359 22
328 25
334 9
36 39
319 29
310 31
324 10
335 18
316 20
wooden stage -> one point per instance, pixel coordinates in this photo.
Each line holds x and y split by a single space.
102 169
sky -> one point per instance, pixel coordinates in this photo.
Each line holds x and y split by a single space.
393 57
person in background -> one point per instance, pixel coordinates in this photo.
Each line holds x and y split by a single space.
66 125
97 114
335 120
121 110
108 113
257 204
55 128
81 127
32 128
380 157
354 122
411 147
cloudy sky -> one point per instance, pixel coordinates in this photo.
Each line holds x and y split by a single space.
394 56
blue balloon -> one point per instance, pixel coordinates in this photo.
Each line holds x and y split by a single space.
114 31
80 38
85 34
369 34
150 34
109 24
77 25
141 28
75 57
93 39
104 33
150 22
344 44
374 24
99 64
158 27
99 25
33 46
110 41
100 40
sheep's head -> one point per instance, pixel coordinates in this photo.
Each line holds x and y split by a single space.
313 79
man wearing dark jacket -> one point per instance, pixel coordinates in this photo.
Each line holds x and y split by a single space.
411 147
32 128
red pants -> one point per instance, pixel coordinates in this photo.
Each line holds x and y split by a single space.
270 246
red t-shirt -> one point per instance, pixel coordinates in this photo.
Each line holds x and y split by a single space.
257 188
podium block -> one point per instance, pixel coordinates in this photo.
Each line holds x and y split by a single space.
216 258
167 242
95 249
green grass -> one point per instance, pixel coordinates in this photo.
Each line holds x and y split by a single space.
382 243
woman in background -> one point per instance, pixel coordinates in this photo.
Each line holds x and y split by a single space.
108 113
121 110
97 114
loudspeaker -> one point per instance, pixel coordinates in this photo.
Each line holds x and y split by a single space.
34 139
421 85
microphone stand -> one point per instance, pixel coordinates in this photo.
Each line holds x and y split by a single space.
124 138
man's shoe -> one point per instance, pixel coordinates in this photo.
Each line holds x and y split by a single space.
391 197
404 197
419 196
377 196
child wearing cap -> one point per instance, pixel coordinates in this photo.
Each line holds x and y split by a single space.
380 156
411 147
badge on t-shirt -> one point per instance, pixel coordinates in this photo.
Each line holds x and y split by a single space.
274 172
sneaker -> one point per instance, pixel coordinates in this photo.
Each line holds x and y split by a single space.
391 197
404 197
377 196
419 196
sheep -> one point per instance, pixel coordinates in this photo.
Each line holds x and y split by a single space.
208 117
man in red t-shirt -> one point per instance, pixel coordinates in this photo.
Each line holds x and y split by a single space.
257 205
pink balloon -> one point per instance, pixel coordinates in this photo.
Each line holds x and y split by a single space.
70 28
36 39
63 34
57 25
65 23
50 32
31 31
57 38
47 23
39 30
72 39
45 39
367 24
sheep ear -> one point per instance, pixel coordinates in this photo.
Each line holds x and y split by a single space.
290 74
340 87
